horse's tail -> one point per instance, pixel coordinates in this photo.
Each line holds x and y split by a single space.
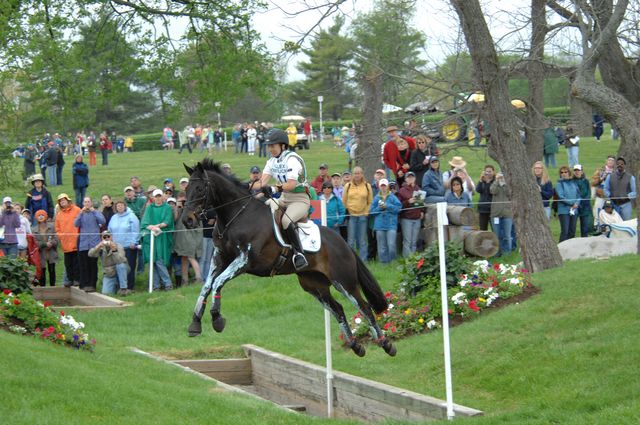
370 287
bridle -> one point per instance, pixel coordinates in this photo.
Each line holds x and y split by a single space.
201 200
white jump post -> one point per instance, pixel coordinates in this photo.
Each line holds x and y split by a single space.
151 261
327 333
443 221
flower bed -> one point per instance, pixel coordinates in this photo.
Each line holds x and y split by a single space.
22 314
481 287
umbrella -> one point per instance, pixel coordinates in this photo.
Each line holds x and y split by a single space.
293 118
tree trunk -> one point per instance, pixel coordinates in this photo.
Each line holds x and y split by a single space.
581 116
539 250
368 153
535 122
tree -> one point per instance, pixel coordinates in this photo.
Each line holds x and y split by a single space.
387 57
327 72
538 249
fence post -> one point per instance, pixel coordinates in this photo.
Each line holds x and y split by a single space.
151 261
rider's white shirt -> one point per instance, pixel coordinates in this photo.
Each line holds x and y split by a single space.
287 166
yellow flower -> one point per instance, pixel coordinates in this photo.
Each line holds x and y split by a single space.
421 320
482 300
407 312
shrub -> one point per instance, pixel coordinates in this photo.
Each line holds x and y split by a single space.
16 275
22 314
418 269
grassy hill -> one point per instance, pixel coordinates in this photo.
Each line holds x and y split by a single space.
568 355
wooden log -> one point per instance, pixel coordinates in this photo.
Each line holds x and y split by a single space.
461 216
456 233
430 223
481 243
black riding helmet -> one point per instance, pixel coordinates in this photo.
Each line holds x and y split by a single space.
277 137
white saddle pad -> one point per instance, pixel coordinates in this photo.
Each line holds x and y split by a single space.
308 232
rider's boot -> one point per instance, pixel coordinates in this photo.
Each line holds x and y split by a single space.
299 260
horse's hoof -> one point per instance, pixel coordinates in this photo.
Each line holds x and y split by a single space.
218 323
195 328
389 348
358 349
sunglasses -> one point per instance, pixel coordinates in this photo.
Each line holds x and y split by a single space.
106 237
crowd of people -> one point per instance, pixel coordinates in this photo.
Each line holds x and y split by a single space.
374 215
116 232
47 154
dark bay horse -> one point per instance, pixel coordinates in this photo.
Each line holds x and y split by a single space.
244 242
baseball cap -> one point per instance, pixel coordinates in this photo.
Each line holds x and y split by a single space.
327 185
346 172
128 188
381 171
577 167
433 158
172 199
184 180
168 179
607 204
7 199
225 165
392 183
255 169
335 175
410 173
151 188
323 165
157 192
383 182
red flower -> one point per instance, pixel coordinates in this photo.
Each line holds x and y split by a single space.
496 266
473 306
16 301
393 329
420 263
495 283
51 329
450 311
47 304
6 291
61 312
388 294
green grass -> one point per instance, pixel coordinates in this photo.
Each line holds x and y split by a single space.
568 355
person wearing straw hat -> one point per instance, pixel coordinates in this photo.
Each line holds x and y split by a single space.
45 236
68 236
39 198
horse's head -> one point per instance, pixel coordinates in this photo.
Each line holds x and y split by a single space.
196 196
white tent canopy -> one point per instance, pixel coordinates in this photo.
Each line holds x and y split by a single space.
292 118
387 107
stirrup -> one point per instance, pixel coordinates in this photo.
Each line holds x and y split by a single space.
299 261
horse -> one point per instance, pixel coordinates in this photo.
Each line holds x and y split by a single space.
245 242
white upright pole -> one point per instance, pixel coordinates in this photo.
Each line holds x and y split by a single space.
327 333
320 99
151 261
442 221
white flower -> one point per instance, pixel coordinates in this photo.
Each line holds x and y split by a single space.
514 281
488 291
357 320
459 298
465 280
432 324
390 307
492 298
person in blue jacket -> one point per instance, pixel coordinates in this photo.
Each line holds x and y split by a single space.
385 209
80 174
544 186
124 227
568 203
432 182
335 207
456 195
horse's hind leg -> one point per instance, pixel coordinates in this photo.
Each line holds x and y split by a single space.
319 286
364 308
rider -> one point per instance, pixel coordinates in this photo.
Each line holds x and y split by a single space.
290 172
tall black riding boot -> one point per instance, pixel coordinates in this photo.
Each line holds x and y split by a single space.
299 260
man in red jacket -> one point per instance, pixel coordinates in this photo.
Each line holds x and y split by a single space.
321 178
397 159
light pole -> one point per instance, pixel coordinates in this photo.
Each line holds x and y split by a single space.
218 108
320 99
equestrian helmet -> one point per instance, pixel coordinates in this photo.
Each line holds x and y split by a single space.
277 137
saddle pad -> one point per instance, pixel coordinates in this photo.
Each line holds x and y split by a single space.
309 234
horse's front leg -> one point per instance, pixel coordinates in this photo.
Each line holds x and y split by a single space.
195 328
235 268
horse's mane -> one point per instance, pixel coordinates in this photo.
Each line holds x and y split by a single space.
210 165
